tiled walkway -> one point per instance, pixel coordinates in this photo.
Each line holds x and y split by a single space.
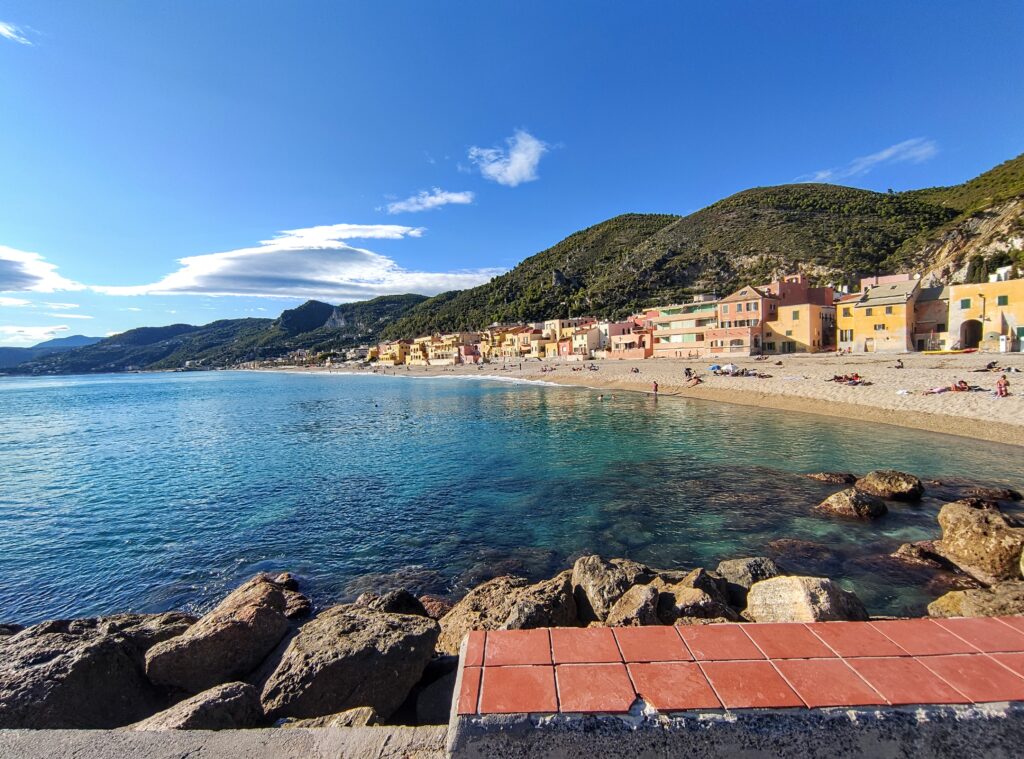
603 670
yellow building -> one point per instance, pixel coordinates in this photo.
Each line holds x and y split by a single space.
419 351
801 328
394 353
880 318
988 315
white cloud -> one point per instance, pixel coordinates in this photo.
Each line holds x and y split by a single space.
13 33
916 150
16 335
307 263
14 302
428 201
514 166
131 308
21 271
69 316
60 306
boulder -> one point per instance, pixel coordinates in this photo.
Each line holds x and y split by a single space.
598 584
1004 599
922 554
636 607
83 673
485 607
546 604
226 644
740 574
361 716
833 478
682 600
891 485
802 599
10 629
350 656
853 504
436 606
981 541
231 706
393 602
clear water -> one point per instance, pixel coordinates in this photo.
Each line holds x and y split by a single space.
150 492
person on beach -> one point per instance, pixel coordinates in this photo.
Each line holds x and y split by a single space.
654 387
1002 387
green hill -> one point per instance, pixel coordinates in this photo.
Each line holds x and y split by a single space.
996 185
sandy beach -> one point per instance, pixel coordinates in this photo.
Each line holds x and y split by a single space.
801 383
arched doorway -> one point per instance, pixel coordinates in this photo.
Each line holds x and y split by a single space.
970 333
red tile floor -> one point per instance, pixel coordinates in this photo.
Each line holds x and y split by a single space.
603 670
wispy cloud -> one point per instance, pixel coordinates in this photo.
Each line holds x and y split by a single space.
18 335
60 306
513 166
428 201
916 150
22 271
68 316
14 302
13 33
316 262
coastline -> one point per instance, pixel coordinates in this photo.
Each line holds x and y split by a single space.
801 384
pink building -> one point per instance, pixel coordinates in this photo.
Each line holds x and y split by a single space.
636 344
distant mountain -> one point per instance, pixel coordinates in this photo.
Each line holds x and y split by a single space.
313 325
833 234
13 356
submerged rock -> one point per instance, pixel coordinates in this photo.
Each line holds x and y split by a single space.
350 656
853 504
891 485
226 644
802 599
637 607
232 706
740 574
993 494
979 539
83 673
833 478
1004 599
598 584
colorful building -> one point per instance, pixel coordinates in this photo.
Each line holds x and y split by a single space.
393 353
989 315
638 343
881 317
680 330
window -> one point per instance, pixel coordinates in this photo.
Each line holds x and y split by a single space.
769 346
753 306
879 327
888 310
846 312
725 309
868 311
796 316
789 333
940 327
965 303
846 335
1002 300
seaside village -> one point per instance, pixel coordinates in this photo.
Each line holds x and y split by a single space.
888 314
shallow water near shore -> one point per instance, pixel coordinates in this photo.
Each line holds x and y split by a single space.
159 491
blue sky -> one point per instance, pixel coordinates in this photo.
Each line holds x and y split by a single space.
169 161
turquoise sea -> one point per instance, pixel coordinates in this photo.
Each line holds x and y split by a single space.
159 491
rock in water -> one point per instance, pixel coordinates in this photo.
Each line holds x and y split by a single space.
350 656
232 706
698 594
891 485
598 584
740 574
485 607
637 607
833 478
1004 599
393 602
802 599
82 673
226 644
993 494
546 604
979 539
853 504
